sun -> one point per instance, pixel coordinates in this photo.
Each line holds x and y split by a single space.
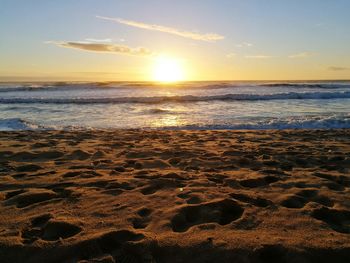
168 69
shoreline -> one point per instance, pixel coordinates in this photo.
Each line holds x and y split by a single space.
164 195
169 129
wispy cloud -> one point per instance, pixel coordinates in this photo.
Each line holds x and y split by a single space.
244 44
258 56
210 37
104 48
302 55
333 68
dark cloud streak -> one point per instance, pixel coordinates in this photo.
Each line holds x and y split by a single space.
105 48
333 68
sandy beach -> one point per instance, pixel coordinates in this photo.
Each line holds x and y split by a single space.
175 196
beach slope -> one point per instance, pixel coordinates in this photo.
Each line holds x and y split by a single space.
175 196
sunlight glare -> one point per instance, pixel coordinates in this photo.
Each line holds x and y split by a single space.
167 69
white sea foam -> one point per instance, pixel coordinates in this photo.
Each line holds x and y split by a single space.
324 122
334 122
15 124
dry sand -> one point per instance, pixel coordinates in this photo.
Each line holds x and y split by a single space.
175 196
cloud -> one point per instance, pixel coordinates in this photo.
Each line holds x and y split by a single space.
333 68
210 37
302 55
105 48
259 56
244 44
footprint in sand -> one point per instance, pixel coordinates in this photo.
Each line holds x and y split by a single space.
77 155
338 220
29 197
28 168
11 194
140 222
191 198
55 229
98 155
114 245
341 180
82 174
46 228
158 184
301 198
112 240
258 182
256 201
23 198
294 201
155 164
35 156
217 178
222 212
111 187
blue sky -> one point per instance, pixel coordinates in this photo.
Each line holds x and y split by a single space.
261 39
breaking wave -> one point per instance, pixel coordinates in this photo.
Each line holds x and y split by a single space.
324 122
61 86
15 124
334 122
183 99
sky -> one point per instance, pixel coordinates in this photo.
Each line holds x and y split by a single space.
106 40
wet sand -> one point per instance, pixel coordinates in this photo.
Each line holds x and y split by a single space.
175 196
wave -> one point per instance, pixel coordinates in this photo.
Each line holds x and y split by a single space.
158 111
47 87
61 86
311 122
335 122
18 124
15 124
182 99
306 85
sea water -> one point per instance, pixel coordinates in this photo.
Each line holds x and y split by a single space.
189 105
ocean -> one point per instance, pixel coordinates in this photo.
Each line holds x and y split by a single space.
189 105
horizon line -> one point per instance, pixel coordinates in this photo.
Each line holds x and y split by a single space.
175 82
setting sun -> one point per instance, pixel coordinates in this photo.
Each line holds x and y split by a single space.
141 131
167 69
